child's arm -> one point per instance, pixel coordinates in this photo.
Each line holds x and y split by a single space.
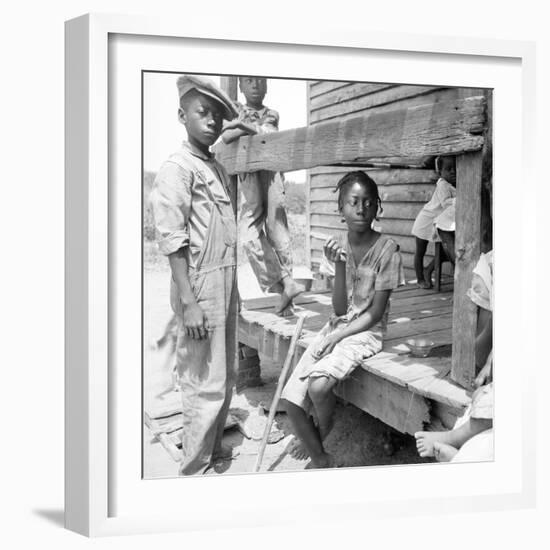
483 346
194 320
171 204
365 321
233 130
334 253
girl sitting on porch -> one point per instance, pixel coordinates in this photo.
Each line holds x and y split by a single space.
368 267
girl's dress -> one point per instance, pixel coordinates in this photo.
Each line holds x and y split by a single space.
380 269
443 197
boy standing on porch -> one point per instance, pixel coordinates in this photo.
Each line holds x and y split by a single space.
262 221
195 218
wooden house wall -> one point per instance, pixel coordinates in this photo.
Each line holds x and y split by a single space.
403 190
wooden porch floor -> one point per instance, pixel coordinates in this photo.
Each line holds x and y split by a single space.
406 392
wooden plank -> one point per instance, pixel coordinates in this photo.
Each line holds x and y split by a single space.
382 176
399 210
323 86
363 102
430 324
468 247
392 404
229 84
418 192
395 227
350 91
437 95
442 128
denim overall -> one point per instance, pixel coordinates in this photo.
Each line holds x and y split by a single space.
208 367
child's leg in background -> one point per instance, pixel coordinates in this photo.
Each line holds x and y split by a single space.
448 243
420 251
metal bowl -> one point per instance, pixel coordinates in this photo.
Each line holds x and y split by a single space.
420 347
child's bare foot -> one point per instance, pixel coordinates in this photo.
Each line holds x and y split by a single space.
224 452
444 452
297 450
287 312
425 442
424 284
428 274
291 289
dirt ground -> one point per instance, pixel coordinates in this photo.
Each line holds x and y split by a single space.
357 439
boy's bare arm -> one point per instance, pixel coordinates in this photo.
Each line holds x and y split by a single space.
235 129
194 320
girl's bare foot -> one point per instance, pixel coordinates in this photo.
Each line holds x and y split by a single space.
297 450
425 442
444 452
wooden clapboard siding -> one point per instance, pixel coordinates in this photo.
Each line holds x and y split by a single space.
347 93
382 176
399 210
451 127
400 193
390 96
318 87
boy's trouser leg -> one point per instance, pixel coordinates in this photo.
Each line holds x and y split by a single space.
276 222
207 375
263 259
231 359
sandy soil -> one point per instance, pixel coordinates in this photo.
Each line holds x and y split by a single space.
357 439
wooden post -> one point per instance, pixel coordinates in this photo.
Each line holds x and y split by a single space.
229 86
467 246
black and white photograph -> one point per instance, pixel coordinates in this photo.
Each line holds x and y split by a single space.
317 284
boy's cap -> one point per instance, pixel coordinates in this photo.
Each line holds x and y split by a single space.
205 86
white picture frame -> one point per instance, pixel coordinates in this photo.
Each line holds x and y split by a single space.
95 487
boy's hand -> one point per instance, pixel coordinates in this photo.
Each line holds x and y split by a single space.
333 251
194 322
327 345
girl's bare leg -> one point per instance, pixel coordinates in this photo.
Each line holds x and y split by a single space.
308 434
321 393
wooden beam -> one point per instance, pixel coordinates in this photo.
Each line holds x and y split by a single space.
394 405
451 127
467 246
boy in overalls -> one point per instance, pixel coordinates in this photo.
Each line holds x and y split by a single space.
195 218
